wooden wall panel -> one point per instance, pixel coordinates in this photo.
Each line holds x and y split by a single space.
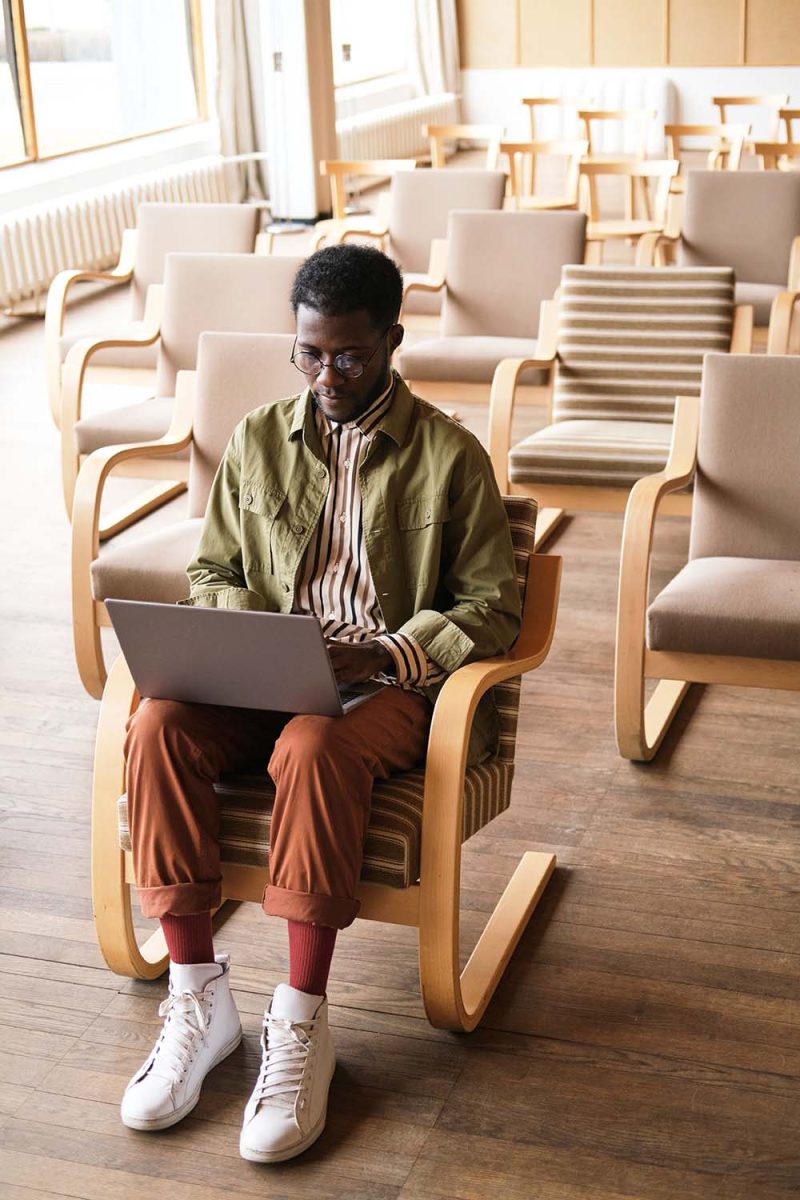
705 35
555 33
629 34
488 33
773 32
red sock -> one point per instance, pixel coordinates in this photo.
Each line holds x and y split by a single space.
310 954
189 939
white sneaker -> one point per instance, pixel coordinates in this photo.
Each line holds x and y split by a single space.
202 1027
287 1109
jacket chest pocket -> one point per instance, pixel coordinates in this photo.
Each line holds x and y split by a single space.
421 520
258 509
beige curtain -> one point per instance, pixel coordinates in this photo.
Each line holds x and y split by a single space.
435 57
238 68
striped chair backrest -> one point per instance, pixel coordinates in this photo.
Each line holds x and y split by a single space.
632 339
521 513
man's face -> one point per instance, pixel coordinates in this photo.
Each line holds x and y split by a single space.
352 333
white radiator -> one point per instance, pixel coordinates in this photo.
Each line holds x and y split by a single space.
395 131
85 228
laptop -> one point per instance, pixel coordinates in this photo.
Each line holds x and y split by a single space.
275 661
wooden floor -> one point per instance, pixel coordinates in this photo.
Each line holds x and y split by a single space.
644 1043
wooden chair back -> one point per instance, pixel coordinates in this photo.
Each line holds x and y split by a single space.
775 101
778 155
662 170
638 119
338 170
440 135
787 117
532 103
725 155
522 157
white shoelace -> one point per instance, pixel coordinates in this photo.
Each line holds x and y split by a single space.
286 1047
177 1044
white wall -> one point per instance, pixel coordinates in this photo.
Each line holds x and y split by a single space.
680 94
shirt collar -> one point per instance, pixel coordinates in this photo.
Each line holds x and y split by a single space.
390 413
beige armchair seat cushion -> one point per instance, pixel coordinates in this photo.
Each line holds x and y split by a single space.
760 295
594 453
466 359
143 357
142 422
152 567
392 845
745 607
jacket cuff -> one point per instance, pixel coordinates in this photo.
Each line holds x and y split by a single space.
439 637
227 597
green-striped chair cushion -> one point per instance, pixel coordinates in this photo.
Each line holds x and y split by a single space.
392 846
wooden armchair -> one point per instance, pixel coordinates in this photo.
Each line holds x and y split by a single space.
440 135
616 358
412 867
724 155
778 156
723 224
160 229
661 170
338 171
521 158
773 103
238 292
732 614
237 372
636 124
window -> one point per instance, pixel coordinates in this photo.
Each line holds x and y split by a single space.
94 72
370 38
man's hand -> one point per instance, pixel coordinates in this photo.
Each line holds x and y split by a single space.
356 662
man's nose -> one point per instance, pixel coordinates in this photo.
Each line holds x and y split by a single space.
329 376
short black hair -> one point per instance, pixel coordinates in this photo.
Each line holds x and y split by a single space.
347 277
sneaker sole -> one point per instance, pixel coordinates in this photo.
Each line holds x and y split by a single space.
275 1156
156 1123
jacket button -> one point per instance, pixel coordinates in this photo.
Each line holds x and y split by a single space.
299 528
248 498
320 470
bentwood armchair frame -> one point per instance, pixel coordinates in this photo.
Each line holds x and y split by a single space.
453 998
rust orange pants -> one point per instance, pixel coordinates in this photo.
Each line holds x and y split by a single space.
323 769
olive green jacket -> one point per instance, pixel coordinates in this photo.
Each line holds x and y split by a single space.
435 529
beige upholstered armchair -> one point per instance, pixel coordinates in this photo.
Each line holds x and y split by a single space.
238 292
419 820
417 210
499 268
160 228
619 344
748 220
732 614
237 372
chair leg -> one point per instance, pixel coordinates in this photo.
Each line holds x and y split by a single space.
639 735
547 521
111 893
457 999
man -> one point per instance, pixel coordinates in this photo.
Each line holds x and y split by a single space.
359 503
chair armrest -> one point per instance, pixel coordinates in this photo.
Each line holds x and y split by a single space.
98 465
504 386
784 324
651 246
637 536
333 231
137 333
742 329
793 282
57 303
435 278
456 704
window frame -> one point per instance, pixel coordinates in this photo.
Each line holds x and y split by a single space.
27 113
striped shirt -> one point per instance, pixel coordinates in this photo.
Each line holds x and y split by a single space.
335 582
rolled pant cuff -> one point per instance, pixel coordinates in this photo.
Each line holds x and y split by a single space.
337 912
180 899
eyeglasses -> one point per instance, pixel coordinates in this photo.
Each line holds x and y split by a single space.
346 365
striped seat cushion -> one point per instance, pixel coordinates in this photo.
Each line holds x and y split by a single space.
392 846
591 453
631 340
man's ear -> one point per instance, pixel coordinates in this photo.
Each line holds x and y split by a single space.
396 335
